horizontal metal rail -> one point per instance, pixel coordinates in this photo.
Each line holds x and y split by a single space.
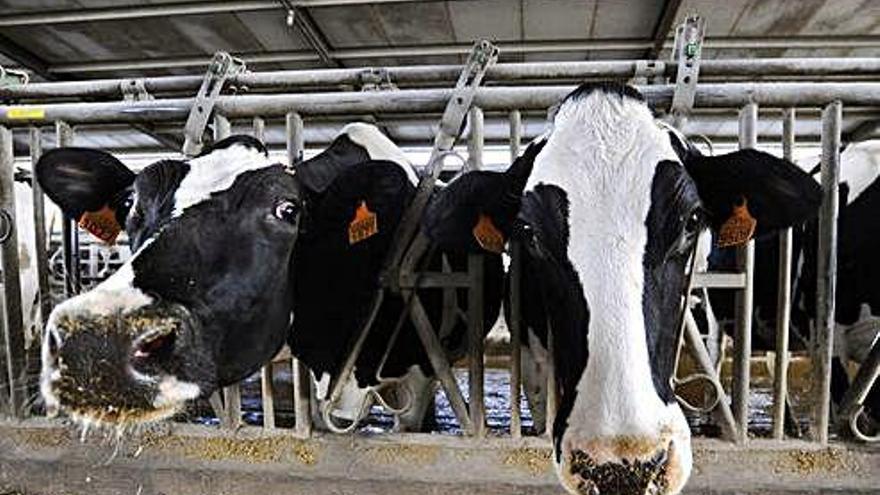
432 100
446 74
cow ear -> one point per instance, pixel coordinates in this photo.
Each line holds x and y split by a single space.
89 185
753 189
476 211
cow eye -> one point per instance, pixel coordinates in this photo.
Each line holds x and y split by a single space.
287 211
694 223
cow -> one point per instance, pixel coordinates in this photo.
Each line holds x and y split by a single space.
209 293
613 208
857 299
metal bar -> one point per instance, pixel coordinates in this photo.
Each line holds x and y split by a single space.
475 345
434 280
719 280
515 327
301 383
259 125
64 137
166 10
12 338
722 412
302 397
853 403
516 130
437 356
222 127
826 284
729 95
510 47
444 74
475 140
742 341
295 138
40 245
783 305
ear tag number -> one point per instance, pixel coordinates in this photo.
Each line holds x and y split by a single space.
101 224
363 226
739 228
488 236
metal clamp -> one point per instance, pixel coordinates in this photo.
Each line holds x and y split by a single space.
853 403
223 65
376 79
687 53
13 77
649 71
6 223
134 90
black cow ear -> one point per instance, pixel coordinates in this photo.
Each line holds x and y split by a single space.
85 180
477 210
750 187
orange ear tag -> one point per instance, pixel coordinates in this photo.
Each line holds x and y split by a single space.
739 228
101 224
488 236
363 226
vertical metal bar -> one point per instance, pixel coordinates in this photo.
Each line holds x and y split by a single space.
783 306
301 384
475 140
742 342
69 234
475 341
40 246
267 387
515 118
295 143
12 336
826 270
222 127
551 379
514 325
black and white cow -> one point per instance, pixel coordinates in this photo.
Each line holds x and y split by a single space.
337 279
857 304
613 208
213 286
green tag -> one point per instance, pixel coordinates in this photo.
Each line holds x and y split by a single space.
691 50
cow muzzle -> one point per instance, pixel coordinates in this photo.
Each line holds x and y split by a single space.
117 368
623 466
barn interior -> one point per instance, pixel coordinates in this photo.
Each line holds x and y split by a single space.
58 54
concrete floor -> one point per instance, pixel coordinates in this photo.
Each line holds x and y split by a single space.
45 457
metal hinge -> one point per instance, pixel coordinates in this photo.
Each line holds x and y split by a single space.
687 54
223 65
376 80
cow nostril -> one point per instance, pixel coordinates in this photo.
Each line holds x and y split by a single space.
154 346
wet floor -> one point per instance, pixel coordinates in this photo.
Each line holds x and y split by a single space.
497 395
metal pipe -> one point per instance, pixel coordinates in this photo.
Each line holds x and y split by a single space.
783 301
12 335
516 130
742 341
301 382
475 139
432 100
552 391
826 284
40 246
69 237
512 47
447 74
477 406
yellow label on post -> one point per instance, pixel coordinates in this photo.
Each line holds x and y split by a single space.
488 236
363 226
101 224
739 228
26 113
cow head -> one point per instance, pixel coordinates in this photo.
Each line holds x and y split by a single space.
203 301
613 208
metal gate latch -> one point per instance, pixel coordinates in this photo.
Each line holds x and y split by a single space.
687 53
223 65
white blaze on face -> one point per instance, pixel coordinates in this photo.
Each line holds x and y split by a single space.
603 153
